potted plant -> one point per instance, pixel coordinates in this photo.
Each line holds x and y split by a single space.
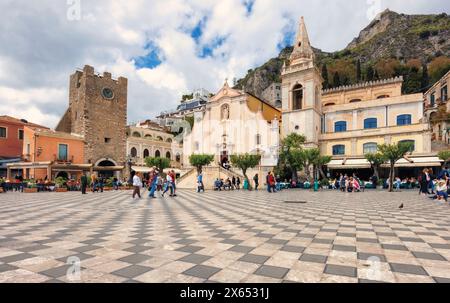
31 187
60 184
381 184
325 183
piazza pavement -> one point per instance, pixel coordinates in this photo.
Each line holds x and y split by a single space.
236 236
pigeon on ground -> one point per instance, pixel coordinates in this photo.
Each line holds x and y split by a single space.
401 206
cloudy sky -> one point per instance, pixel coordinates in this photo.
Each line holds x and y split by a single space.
164 47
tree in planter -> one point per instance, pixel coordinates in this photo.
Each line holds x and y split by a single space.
289 147
244 162
160 163
310 157
321 161
393 153
375 160
198 161
445 155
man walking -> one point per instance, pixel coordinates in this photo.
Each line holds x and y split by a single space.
200 183
84 182
256 180
137 184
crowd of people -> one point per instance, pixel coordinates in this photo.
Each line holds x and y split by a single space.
155 182
436 187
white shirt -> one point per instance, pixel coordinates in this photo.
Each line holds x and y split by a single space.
137 181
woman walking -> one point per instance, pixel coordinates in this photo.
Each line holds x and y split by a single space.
424 181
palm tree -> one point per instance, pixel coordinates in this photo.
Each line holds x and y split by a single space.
393 153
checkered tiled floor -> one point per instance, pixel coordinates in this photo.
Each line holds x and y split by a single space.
225 237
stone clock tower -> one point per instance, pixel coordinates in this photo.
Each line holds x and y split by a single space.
301 91
98 111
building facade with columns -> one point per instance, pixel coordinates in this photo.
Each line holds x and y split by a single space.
437 110
349 121
148 139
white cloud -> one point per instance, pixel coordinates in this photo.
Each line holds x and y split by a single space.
41 47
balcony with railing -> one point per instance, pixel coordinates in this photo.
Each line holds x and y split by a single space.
63 160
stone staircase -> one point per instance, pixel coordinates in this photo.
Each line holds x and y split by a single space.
210 174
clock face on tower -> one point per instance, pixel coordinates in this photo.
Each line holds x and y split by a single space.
107 93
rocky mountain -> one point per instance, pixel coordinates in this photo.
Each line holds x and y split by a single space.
392 44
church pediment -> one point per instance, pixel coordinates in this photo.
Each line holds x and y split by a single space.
226 92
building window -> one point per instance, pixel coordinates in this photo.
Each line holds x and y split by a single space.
134 152
355 100
2 132
159 138
383 96
146 153
340 126
432 99
148 136
297 97
62 152
178 158
444 93
258 139
169 140
412 142
370 148
168 155
403 120
20 134
28 149
338 150
370 123
107 140
136 135
330 104
157 154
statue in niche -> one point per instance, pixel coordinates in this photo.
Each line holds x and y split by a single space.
225 115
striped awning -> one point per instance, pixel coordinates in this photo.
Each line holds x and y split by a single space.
359 163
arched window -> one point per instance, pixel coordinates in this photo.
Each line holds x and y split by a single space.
169 140
157 154
168 155
178 158
159 138
297 97
404 120
330 104
412 142
383 96
146 153
136 134
278 104
370 123
338 150
370 148
340 126
133 152
355 100
148 136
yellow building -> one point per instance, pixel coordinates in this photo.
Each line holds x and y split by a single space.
349 121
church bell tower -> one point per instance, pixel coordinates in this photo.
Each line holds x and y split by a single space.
301 91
